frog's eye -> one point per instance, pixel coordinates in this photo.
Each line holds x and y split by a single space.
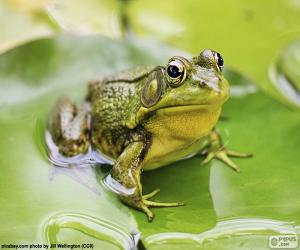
219 60
210 59
175 72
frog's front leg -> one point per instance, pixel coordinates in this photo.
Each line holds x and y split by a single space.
68 126
217 150
127 170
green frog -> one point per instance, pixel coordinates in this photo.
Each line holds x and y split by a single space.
146 118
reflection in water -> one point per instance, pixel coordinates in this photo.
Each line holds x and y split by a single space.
90 226
81 168
83 160
120 237
85 176
228 229
116 187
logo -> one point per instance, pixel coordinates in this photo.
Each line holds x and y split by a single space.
283 241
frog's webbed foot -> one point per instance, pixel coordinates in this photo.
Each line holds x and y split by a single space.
223 155
158 204
68 126
216 150
144 203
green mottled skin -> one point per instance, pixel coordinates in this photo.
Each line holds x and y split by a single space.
147 118
111 105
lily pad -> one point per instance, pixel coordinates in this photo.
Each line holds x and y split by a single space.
249 34
42 203
27 21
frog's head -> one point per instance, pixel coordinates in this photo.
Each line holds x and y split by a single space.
185 84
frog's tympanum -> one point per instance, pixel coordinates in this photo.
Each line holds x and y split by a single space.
147 118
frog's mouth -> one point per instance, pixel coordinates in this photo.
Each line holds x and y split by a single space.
177 110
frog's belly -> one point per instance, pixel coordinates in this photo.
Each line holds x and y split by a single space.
159 155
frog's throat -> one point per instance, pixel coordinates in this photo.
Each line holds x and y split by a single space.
141 114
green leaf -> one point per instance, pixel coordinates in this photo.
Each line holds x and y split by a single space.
72 205
249 34
86 17
21 22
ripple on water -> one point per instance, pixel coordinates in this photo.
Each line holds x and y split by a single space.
96 228
236 229
82 160
80 167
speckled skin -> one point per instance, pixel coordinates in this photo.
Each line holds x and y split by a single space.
147 118
110 135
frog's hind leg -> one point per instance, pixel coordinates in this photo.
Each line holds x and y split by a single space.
126 171
69 128
218 151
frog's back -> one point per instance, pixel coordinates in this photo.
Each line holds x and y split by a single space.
113 99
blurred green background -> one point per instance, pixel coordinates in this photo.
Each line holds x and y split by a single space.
49 48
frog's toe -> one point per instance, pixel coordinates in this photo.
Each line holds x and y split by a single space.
162 204
147 211
208 158
238 154
223 156
152 194
145 204
145 199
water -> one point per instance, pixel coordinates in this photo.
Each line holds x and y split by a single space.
83 170
116 187
242 230
82 160
97 228
239 229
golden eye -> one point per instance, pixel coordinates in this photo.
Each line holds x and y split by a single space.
175 72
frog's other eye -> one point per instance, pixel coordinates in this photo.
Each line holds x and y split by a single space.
219 60
175 72
210 59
